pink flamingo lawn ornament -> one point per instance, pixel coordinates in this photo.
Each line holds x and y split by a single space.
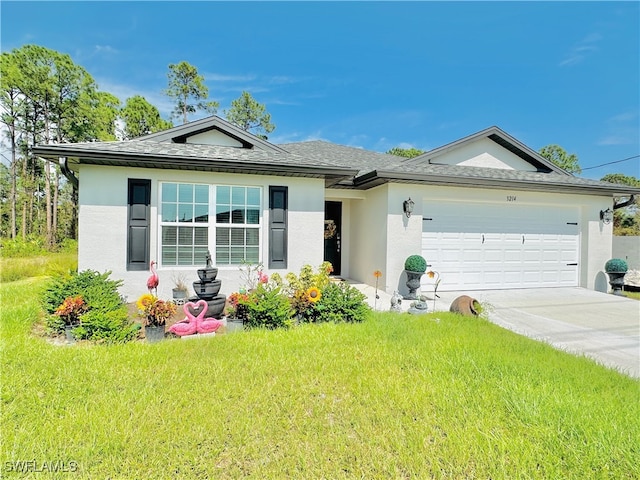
192 324
153 280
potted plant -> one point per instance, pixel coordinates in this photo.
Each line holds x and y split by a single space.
616 268
69 312
236 311
415 266
155 313
180 290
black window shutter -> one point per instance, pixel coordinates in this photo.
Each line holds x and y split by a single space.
278 198
139 224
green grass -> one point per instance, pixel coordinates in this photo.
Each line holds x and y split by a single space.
634 295
398 396
18 268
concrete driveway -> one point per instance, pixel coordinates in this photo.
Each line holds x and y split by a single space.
601 326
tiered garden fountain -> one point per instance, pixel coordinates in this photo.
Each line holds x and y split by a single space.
207 289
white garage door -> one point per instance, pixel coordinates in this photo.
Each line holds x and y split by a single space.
494 246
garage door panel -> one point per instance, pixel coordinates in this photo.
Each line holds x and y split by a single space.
475 246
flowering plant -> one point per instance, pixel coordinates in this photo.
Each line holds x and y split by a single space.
71 309
236 304
155 311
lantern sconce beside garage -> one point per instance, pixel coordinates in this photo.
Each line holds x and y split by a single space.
606 216
407 207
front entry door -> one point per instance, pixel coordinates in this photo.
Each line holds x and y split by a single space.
333 235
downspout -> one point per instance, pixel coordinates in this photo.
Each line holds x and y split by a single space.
625 203
64 168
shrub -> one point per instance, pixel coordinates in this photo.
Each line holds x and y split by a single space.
105 317
267 307
340 302
616 265
415 263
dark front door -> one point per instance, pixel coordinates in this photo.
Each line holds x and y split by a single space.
333 235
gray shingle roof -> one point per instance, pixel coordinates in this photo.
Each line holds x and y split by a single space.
342 166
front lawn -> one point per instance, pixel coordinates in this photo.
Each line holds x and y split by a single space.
397 396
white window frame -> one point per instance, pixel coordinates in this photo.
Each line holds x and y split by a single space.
211 225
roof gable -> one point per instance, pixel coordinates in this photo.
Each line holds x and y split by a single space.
486 149
211 130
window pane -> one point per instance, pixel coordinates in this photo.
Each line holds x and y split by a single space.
237 255
185 256
185 193
169 212
253 197
222 236
237 236
252 236
201 236
222 256
185 236
169 235
238 195
237 215
169 255
252 255
223 195
202 213
202 194
200 256
169 192
185 213
222 214
253 216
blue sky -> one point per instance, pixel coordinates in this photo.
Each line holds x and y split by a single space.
375 74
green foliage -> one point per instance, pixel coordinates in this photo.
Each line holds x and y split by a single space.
415 263
141 118
249 115
19 268
405 152
561 158
110 326
31 246
267 307
340 302
187 89
106 317
616 265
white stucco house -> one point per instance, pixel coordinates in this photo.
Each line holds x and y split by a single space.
488 213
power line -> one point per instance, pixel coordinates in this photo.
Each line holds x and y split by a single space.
610 163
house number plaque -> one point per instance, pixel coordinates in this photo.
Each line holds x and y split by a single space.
511 198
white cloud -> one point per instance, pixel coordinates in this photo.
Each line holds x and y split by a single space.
581 50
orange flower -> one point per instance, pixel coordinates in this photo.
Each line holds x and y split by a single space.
431 274
313 294
377 274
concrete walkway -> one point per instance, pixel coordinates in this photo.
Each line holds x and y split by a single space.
601 326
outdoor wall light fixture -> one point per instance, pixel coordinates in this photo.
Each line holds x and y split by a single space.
606 216
407 207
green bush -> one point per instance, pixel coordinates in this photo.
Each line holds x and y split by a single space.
415 263
106 317
616 265
267 307
340 302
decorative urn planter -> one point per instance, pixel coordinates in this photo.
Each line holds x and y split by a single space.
616 268
414 266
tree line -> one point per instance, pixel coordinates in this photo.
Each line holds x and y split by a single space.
46 98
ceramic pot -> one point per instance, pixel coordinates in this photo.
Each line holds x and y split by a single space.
154 333
616 280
